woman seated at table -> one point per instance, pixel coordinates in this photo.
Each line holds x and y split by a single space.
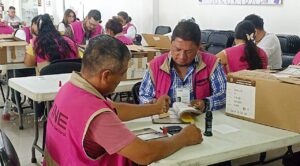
296 60
129 30
113 28
245 54
69 17
48 45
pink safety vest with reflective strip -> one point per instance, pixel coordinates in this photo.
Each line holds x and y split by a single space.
78 31
66 127
234 55
124 39
296 60
201 82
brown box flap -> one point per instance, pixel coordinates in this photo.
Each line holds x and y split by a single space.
12 43
137 48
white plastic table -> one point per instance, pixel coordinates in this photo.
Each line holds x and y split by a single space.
251 138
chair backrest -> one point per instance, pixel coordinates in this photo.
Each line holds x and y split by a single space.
8 154
287 59
219 40
161 30
60 68
78 60
138 39
289 43
135 92
205 35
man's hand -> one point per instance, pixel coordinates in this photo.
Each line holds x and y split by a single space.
163 104
199 105
191 135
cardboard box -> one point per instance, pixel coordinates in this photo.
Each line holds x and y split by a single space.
138 63
160 42
262 97
12 50
137 66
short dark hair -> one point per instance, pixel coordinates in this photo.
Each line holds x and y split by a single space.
11 8
187 30
104 52
125 16
114 25
95 14
256 20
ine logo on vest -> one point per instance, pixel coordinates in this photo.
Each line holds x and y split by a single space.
58 120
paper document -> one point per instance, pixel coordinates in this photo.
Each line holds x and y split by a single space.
225 129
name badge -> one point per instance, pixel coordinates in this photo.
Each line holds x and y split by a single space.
183 95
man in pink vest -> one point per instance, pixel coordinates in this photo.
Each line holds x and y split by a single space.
82 31
85 129
186 73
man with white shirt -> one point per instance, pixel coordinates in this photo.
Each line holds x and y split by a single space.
267 41
11 17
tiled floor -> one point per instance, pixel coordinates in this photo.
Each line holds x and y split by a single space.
22 141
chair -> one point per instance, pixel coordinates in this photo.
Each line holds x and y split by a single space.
8 154
135 92
219 40
78 60
161 30
205 35
61 67
290 45
138 39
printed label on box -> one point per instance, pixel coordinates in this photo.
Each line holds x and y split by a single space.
240 100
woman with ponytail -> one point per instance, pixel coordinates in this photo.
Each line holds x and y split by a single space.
113 28
129 30
47 45
245 54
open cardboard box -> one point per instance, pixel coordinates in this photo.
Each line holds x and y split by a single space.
138 63
262 97
156 41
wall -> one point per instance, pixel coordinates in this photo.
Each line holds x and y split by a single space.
278 19
141 11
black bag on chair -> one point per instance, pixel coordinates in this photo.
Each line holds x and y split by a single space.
8 154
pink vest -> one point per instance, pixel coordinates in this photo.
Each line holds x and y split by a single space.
234 55
201 83
66 127
124 39
125 28
28 34
4 29
296 60
78 31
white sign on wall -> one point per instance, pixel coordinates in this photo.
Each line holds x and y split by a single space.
240 2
